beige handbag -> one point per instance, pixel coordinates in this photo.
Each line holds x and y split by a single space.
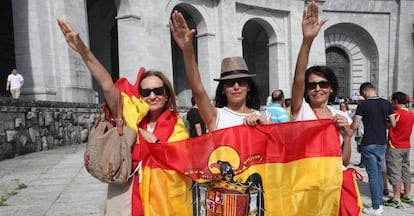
108 151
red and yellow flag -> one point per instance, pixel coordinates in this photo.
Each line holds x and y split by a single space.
290 168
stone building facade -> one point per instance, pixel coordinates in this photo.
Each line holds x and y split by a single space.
364 40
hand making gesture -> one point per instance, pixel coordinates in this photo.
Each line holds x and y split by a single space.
183 36
72 38
310 21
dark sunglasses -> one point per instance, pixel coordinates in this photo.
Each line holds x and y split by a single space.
321 84
146 92
240 82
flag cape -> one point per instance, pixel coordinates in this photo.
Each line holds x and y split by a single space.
156 186
290 168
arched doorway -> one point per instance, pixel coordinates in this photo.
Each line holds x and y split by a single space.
7 54
103 37
358 48
181 86
338 60
256 54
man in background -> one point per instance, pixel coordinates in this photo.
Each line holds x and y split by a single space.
276 109
375 113
14 83
398 151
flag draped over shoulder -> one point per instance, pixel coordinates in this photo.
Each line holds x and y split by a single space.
154 185
290 168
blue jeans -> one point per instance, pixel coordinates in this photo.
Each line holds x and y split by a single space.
373 156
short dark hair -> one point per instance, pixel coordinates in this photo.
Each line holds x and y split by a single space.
193 102
252 100
288 102
278 97
326 72
400 97
366 86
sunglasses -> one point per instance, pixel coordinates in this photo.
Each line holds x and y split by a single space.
321 84
157 91
240 82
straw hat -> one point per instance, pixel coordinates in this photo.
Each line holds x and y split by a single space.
234 68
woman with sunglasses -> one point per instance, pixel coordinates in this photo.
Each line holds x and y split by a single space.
237 98
315 87
150 107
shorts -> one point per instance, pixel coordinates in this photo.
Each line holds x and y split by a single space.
398 165
15 93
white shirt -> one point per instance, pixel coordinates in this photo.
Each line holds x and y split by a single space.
15 81
228 118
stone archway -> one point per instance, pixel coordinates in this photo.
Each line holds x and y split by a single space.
103 37
356 43
338 60
256 53
180 83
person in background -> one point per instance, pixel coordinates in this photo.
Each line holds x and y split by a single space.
398 152
354 98
14 83
269 100
359 133
315 87
375 113
276 109
197 126
343 106
287 105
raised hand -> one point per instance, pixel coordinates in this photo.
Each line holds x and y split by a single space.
72 38
310 21
183 36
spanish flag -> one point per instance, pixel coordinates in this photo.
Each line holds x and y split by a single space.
290 168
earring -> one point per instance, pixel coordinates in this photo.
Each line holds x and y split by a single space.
222 92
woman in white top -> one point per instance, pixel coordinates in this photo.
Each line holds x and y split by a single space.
315 87
237 98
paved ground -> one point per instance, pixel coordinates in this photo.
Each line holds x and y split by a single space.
54 182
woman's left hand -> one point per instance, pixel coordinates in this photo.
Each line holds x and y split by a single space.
341 122
148 136
254 119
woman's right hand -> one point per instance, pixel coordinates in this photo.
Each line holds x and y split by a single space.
183 36
72 38
310 21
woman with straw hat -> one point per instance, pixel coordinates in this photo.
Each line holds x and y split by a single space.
237 98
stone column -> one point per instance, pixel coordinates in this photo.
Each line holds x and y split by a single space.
51 71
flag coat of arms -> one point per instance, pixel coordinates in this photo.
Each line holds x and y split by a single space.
290 168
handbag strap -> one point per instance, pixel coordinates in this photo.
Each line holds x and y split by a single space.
119 121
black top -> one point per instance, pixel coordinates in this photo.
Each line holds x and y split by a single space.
374 112
193 118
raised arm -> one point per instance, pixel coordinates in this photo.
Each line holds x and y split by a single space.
183 36
95 67
310 29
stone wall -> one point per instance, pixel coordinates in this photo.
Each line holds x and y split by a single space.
30 126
